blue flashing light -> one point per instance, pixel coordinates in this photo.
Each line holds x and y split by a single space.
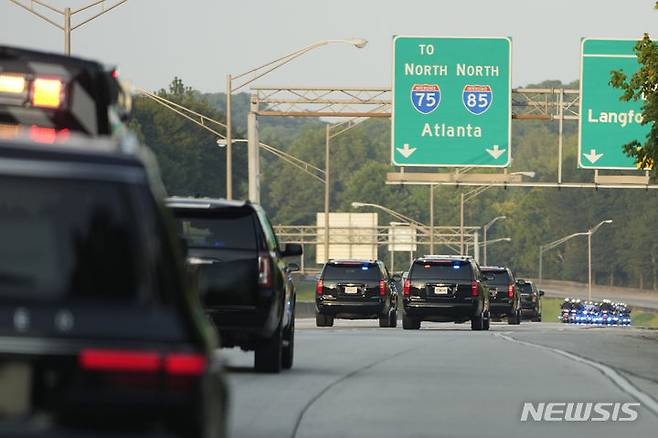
364 268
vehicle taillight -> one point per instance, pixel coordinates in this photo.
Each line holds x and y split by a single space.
185 364
474 288
47 93
406 289
264 270
48 135
319 287
382 288
510 290
119 360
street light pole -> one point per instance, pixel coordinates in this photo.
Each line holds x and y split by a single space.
484 229
229 141
66 14
558 242
432 219
326 193
253 74
461 225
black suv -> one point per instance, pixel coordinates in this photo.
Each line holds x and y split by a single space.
504 294
98 328
356 289
445 288
244 281
531 299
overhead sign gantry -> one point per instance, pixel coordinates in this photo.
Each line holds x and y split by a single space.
451 101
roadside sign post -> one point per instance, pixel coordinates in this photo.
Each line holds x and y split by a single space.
451 102
607 123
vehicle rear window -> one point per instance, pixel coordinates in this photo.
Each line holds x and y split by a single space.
70 240
345 272
231 228
526 288
499 277
457 270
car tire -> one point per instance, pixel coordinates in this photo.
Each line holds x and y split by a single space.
511 318
409 323
486 322
477 322
288 352
393 319
268 354
384 321
322 320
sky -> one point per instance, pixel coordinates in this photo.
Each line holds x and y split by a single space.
203 40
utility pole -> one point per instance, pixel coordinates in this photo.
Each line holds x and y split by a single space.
67 14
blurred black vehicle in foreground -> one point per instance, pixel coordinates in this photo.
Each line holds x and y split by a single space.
244 281
98 330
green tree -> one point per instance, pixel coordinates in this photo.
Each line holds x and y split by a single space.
643 84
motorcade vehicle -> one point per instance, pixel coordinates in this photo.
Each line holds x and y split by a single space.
531 300
505 297
99 329
60 93
445 289
356 289
244 278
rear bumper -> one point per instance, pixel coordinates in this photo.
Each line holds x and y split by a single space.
365 309
446 310
501 309
244 325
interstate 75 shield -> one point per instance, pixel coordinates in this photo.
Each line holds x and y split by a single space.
425 97
477 98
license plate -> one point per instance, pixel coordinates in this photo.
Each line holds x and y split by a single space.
351 289
16 383
441 290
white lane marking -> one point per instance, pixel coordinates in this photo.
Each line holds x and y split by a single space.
610 373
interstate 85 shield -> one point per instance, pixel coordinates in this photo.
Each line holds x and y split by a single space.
477 98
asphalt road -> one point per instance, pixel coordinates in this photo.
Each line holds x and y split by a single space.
357 380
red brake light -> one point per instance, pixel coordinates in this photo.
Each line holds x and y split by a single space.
474 288
47 93
510 290
264 270
382 288
185 364
119 360
319 287
406 289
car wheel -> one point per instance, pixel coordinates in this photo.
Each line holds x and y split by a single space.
393 318
409 323
477 322
511 318
383 320
539 318
321 320
288 353
268 354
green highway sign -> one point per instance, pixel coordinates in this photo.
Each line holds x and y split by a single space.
452 101
606 123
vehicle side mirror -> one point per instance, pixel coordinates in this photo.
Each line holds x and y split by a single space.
293 267
541 293
396 277
292 250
